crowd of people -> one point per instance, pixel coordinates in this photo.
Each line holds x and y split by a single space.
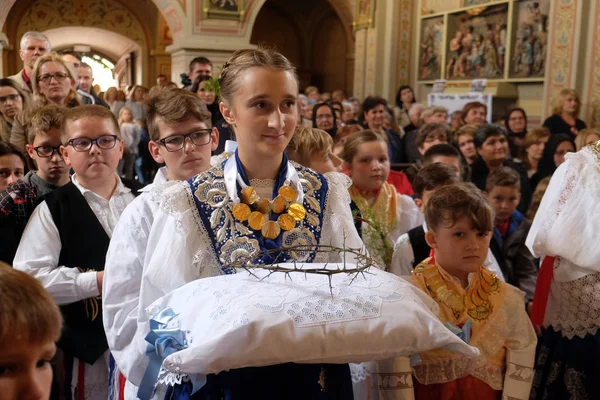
109 201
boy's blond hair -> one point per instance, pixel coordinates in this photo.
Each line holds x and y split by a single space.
43 119
27 312
450 203
87 111
306 142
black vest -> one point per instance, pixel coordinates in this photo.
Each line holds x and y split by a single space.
84 244
420 248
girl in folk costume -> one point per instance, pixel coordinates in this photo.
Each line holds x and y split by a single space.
385 214
488 313
567 301
254 201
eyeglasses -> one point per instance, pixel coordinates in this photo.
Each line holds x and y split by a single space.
105 142
59 77
177 142
46 151
11 97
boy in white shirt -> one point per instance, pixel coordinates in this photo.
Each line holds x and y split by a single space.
180 138
65 242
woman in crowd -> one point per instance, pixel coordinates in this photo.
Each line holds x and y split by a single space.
373 110
323 117
135 103
515 123
491 143
208 97
474 113
13 100
405 97
586 137
53 82
554 155
565 112
111 97
533 149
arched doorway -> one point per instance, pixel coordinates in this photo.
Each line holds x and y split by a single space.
312 35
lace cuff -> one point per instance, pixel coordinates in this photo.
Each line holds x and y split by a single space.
394 379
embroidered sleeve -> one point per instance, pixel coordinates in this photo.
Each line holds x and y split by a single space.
520 351
394 379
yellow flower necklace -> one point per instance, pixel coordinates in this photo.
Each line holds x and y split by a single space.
476 300
256 211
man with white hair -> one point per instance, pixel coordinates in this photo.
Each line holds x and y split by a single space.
33 46
412 153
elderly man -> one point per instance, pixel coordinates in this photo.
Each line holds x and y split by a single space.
33 46
412 153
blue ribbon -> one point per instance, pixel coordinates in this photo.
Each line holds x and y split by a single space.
463 333
162 342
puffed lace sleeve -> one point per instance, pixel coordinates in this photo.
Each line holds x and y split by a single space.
566 224
403 258
408 215
338 223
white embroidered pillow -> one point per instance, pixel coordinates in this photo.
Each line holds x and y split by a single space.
235 321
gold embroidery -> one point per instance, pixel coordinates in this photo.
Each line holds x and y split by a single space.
520 373
92 307
394 381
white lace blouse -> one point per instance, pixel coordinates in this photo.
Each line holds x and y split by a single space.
161 244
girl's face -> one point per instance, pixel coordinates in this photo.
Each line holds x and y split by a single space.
263 111
375 117
494 149
536 150
11 170
406 95
516 121
126 116
207 97
475 116
466 146
11 102
370 166
562 150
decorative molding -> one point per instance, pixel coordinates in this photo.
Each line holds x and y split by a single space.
404 41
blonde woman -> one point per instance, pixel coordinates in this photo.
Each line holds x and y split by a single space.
52 82
586 137
565 111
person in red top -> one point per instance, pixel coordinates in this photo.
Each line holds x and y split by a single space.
33 46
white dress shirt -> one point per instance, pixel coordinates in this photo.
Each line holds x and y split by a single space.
40 246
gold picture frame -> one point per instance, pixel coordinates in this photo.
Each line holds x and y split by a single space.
224 9
364 14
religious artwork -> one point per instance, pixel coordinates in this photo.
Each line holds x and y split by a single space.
477 45
364 14
224 9
432 48
530 39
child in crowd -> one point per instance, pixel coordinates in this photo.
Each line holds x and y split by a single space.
65 242
131 137
411 248
490 313
180 138
312 148
445 154
19 199
520 268
13 165
385 214
30 324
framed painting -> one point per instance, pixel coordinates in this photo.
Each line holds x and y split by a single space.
431 48
364 14
530 39
224 9
477 43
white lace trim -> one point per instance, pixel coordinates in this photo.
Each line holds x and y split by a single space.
447 370
574 306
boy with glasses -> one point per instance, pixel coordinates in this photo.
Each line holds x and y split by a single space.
180 138
19 199
65 242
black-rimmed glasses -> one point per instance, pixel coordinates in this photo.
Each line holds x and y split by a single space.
177 142
59 76
47 151
82 144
